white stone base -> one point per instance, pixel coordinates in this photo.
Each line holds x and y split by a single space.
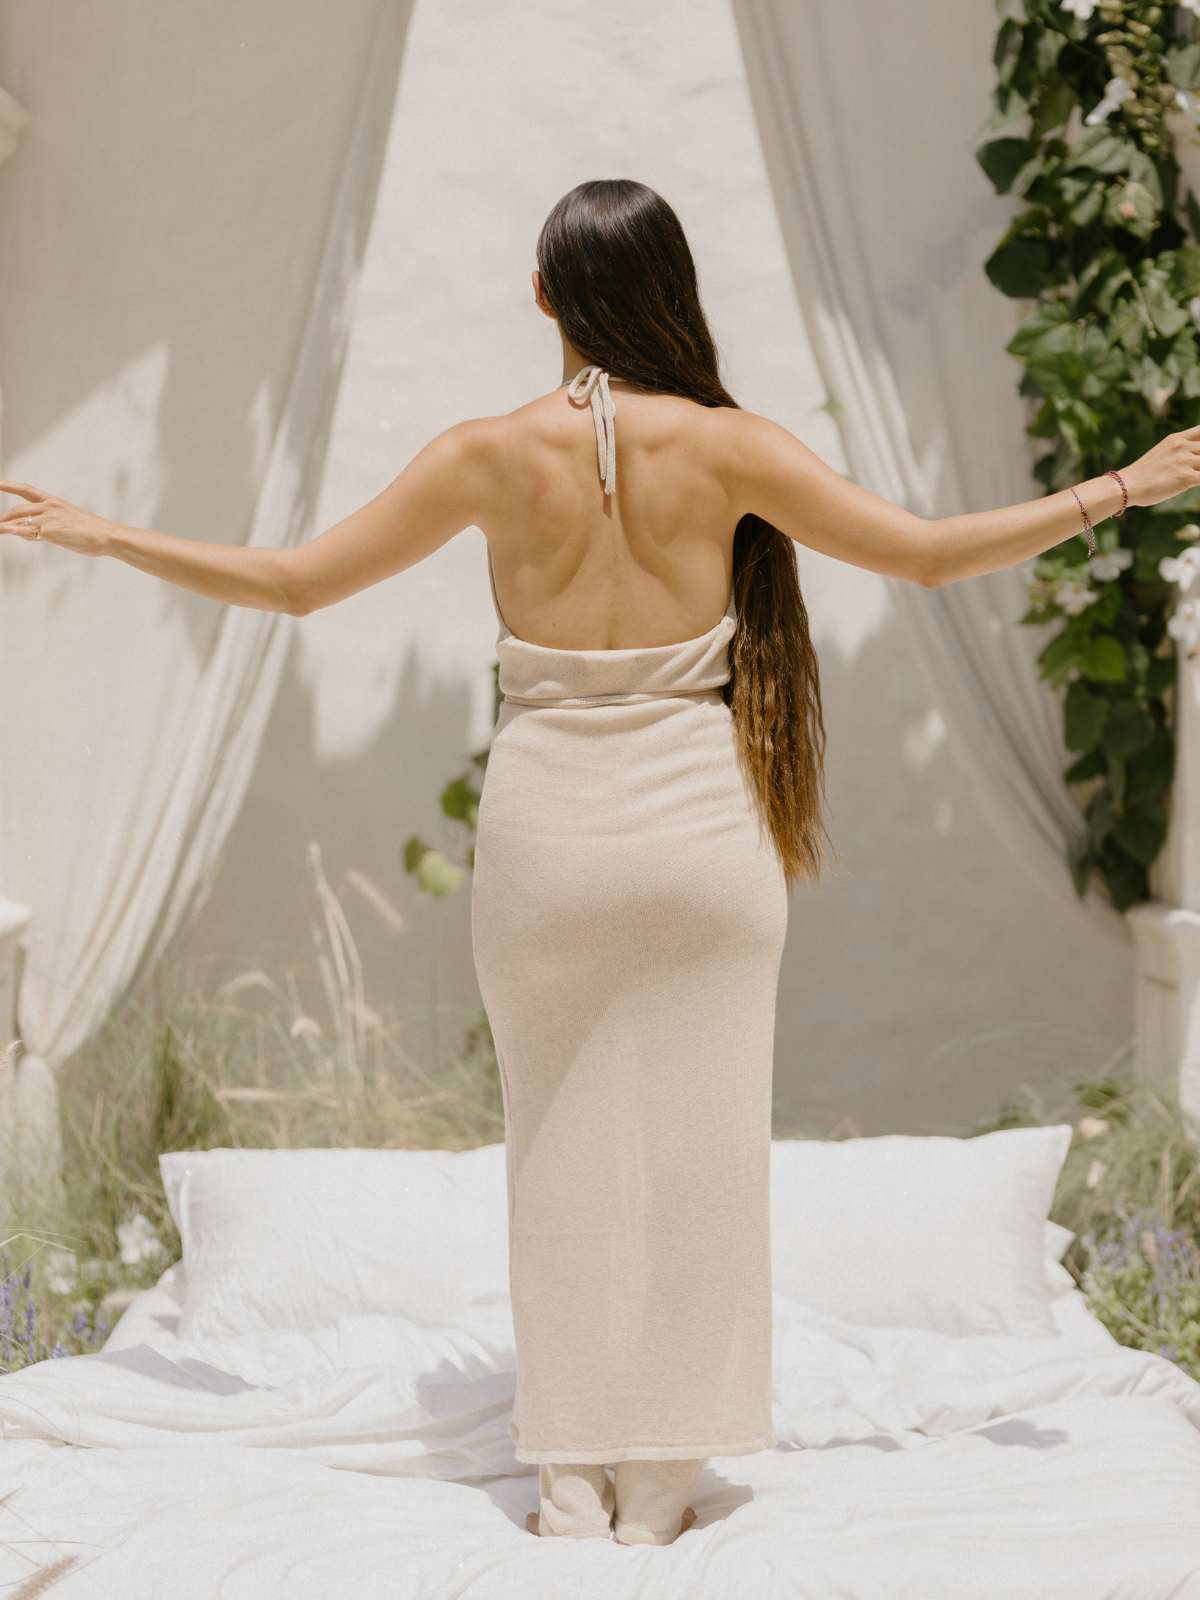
1167 999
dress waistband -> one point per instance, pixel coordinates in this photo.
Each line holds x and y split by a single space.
632 698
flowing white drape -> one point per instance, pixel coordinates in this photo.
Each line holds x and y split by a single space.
869 118
118 784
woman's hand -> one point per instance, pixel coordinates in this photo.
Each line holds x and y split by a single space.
1167 469
56 521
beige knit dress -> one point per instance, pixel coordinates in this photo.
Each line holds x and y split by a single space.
628 916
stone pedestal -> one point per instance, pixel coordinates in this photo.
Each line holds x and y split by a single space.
30 1136
1166 929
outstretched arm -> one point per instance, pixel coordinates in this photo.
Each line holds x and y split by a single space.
785 482
440 492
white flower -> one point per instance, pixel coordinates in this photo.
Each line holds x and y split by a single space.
1115 91
1074 597
1079 8
1039 590
138 1241
1190 530
1186 102
1184 623
1181 569
61 1271
1111 563
1094 1173
1092 1127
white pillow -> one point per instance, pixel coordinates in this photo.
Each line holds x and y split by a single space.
295 1238
1059 1277
921 1230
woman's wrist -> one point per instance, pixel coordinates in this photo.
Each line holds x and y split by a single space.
1102 496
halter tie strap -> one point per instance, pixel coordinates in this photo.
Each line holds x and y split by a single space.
591 383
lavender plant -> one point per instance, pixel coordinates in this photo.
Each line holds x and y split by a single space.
29 1332
1142 1281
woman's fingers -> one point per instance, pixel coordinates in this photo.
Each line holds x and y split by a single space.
25 490
18 514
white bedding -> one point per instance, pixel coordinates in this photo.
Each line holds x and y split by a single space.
371 1459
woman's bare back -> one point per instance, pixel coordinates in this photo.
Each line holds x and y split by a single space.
577 569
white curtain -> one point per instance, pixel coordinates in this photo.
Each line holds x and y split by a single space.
131 716
869 117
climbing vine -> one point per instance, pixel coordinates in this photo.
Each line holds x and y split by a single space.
1102 242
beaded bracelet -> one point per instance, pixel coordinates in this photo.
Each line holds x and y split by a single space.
1087 522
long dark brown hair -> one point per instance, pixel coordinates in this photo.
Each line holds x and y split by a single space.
619 275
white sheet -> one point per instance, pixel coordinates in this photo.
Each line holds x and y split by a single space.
371 1459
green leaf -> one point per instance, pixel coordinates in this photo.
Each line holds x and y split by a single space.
1128 324
1054 106
1022 267
1124 879
1104 659
1102 613
1081 860
1150 381
1182 267
1160 674
460 800
1100 149
1182 66
1001 159
1048 328
1090 765
1084 200
1084 716
1151 770
1131 206
1098 282
1116 781
1047 49
1143 170
1130 728
1168 315
1007 48
1079 424
1141 836
414 849
1063 651
1101 815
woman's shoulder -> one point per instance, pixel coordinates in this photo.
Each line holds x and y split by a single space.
511 444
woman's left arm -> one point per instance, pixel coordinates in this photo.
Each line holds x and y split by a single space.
440 492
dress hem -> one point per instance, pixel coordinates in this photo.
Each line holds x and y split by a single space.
646 1452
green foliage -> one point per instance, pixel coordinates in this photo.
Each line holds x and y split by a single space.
435 872
1102 243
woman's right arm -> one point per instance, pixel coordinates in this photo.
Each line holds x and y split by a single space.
773 473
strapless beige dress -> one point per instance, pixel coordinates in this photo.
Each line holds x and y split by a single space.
628 916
